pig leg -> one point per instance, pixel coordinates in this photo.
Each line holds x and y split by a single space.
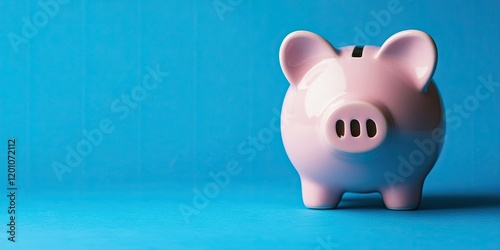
402 197
319 196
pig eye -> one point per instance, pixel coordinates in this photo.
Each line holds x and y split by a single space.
339 127
355 128
371 128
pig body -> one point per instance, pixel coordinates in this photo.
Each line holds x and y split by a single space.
361 119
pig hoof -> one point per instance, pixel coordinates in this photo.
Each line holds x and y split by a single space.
320 202
316 196
402 198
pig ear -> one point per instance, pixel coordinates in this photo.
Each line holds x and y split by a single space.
300 51
415 52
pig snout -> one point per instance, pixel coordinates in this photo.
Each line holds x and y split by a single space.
355 127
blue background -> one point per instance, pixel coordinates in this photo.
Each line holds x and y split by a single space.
223 87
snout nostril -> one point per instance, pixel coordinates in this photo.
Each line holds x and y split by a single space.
355 128
371 128
340 128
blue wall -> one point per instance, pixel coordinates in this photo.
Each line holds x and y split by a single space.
223 83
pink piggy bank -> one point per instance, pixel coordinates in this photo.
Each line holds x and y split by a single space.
361 118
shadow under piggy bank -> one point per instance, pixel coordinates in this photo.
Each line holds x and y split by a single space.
460 201
429 202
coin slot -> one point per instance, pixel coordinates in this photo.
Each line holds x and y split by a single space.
357 51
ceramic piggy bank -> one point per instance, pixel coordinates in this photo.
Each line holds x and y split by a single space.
361 118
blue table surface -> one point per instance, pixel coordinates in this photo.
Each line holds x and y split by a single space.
252 215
